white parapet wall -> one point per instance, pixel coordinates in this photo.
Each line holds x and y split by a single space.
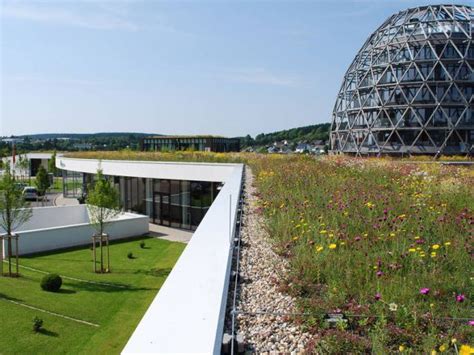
187 315
52 228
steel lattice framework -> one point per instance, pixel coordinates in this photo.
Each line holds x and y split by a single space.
409 89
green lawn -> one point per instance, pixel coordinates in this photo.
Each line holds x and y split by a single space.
115 302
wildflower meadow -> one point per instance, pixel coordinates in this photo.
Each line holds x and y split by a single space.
386 245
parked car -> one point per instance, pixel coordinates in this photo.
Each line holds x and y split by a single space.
21 185
30 193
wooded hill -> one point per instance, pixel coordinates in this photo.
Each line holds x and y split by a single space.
293 135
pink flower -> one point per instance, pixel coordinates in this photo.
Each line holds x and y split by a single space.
471 323
379 273
424 291
460 298
357 239
377 296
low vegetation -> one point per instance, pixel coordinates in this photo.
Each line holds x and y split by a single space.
51 282
386 244
187 156
91 313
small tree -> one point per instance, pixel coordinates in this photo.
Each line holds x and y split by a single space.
52 164
24 165
42 181
103 204
14 211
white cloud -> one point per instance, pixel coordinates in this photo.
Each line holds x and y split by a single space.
89 16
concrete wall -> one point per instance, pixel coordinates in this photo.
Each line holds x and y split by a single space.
50 217
64 227
149 169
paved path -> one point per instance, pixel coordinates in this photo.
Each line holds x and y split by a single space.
60 200
48 200
171 234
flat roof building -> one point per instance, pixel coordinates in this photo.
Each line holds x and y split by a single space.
193 298
201 143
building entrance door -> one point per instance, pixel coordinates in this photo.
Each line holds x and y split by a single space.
161 209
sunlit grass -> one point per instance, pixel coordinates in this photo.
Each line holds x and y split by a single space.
116 301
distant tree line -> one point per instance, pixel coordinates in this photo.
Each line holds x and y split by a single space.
294 135
101 141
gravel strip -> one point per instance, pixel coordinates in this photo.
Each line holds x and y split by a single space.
257 291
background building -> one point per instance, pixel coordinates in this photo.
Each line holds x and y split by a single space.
409 89
203 143
29 164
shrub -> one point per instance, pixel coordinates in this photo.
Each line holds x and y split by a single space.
142 244
130 255
51 282
37 324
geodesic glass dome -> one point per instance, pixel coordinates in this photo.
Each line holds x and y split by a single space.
409 90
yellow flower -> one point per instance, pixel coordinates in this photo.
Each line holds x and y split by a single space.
366 234
401 348
435 246
323 231
447 243
332 246
392 234
454 341
466 350
433 352
433 254
412 250
442 348
319 248
295 238
331 235
431 305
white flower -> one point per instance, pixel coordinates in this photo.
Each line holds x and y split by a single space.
393 307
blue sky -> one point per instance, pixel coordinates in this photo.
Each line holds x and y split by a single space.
177 67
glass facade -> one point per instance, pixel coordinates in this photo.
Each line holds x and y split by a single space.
212 144
409 89
173 203
73 184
